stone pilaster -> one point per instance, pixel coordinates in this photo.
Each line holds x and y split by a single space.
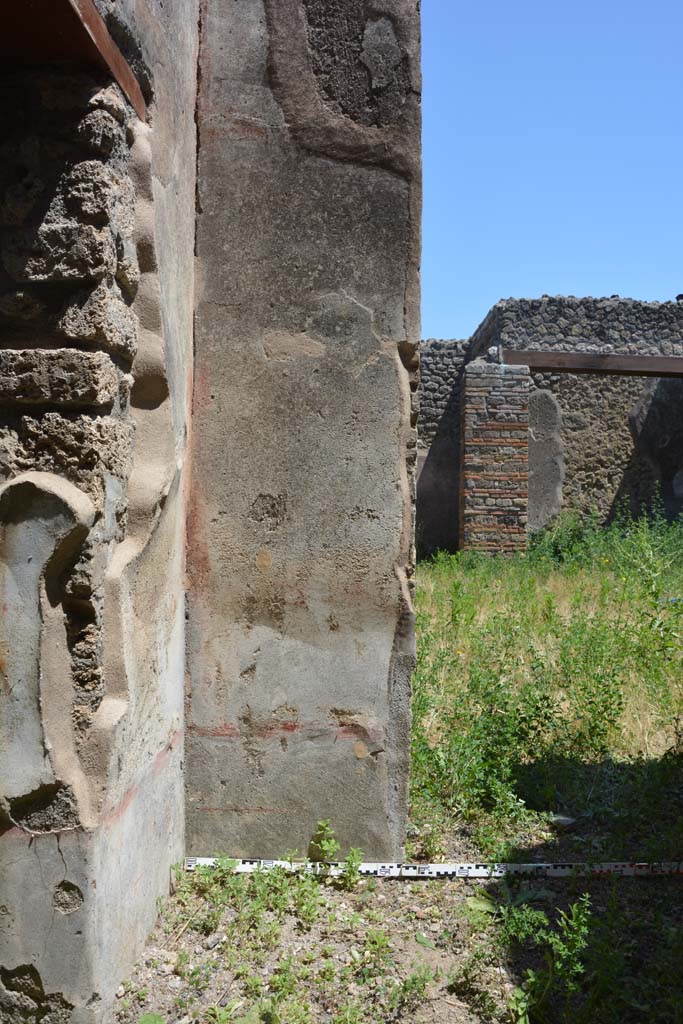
300 552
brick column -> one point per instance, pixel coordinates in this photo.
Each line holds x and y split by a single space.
495 457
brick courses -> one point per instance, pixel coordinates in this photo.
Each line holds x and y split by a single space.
495 457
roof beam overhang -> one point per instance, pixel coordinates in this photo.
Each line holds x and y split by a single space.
35 31
586 362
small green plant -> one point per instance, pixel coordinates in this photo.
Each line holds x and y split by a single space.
519 1006
374 958
412 991
349 1013
306 898
563 949
285 978
323 846
253 986
222 1014
182 960
350 876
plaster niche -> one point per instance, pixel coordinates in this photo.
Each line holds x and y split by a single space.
546 459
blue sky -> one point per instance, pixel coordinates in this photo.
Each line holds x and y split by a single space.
553 153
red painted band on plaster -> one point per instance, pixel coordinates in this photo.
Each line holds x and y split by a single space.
232 731
228 730
159 762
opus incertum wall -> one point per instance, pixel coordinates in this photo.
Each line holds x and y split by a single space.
597 442
90 546
438 455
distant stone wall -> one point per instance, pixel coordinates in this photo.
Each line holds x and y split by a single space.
621 443
438 482
440 365
611 458
584 325
604 467
495 457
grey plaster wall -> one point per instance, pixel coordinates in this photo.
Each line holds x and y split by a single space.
300 534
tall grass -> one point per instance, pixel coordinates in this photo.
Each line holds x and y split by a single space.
551 682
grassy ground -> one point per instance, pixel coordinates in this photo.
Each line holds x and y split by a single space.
548 724
553 684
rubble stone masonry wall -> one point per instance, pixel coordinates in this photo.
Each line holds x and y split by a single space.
438 457
621 439
441 364
569 324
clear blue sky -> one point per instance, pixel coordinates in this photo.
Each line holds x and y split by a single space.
553 153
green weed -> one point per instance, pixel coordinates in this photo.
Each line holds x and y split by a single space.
350 875
551 683
412 991
323 846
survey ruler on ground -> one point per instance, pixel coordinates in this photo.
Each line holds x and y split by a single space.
376 869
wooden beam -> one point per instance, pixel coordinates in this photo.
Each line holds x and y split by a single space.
120 69
587 362
35 31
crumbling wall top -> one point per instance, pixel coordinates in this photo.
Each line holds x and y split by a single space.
567 323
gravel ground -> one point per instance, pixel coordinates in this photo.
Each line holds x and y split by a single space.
347 965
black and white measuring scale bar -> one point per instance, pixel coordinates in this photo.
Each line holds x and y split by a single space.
373 869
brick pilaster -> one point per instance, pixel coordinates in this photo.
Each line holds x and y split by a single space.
495 457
